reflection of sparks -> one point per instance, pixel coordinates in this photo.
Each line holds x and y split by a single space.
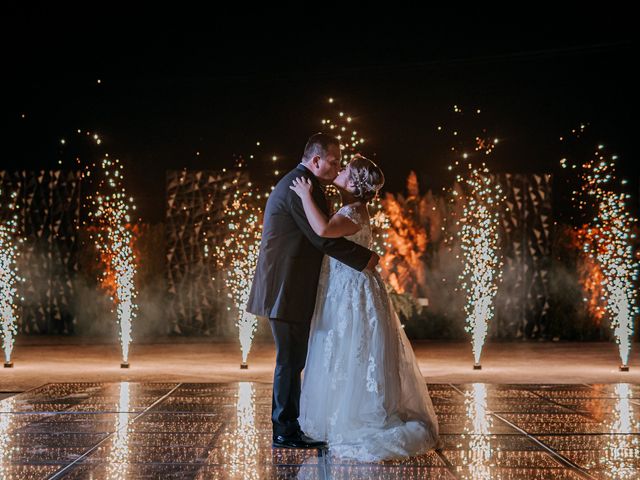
8 278
239 255
6 451
115 243
479 243
622 453
119 455
610 244
240 446
478 454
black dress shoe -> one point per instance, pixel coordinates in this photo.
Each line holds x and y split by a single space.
297 440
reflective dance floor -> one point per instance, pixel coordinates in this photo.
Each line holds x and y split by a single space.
223 431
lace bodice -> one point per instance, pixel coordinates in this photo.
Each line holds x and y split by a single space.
362 236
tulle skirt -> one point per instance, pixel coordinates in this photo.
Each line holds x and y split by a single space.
362 390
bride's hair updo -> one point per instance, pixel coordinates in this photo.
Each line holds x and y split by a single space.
366 177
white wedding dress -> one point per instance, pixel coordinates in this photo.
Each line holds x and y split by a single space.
362 390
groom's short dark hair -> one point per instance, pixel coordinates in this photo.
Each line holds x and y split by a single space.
318 144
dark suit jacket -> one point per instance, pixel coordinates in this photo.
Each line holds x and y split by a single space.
286 278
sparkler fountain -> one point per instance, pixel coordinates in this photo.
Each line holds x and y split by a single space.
8 278
608 242
482 263
238 256
114 241
478 233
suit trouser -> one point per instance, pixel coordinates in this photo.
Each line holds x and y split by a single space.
291 340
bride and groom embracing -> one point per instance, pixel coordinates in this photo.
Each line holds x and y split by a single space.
362 393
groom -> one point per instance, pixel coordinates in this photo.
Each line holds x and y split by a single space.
286 279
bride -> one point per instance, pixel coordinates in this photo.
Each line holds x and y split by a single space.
362 391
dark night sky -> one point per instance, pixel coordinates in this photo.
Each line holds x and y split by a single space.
216 84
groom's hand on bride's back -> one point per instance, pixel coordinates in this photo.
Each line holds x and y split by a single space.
373 262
